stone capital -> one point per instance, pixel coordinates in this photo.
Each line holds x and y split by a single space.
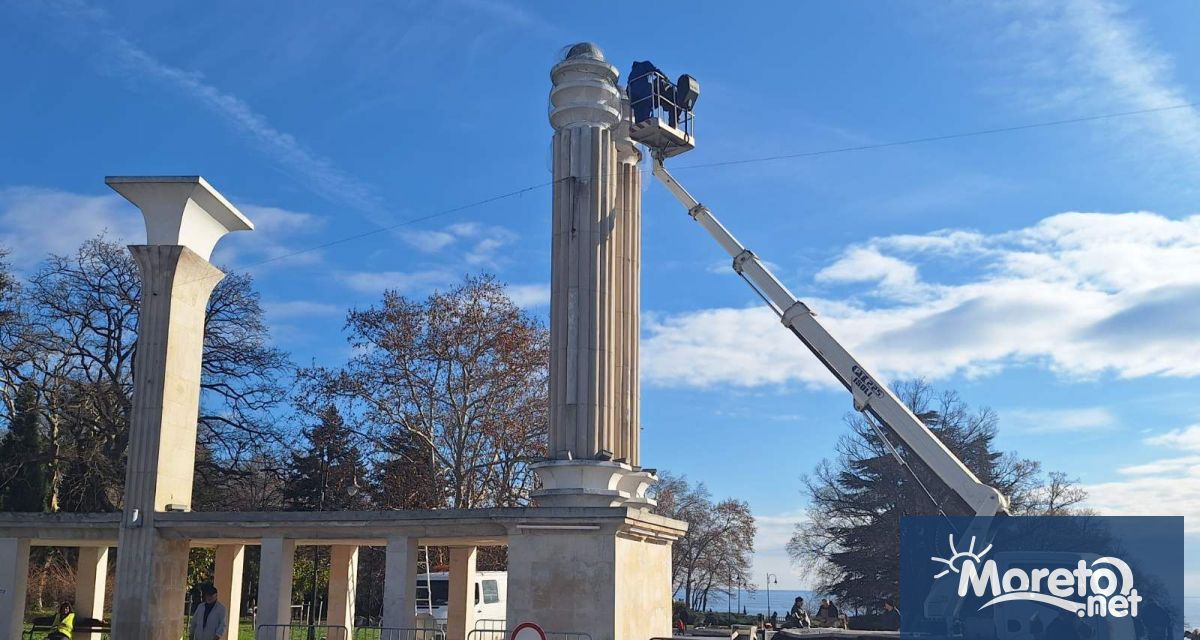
181 210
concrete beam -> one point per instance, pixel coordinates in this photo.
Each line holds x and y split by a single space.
460 614
91 577
275 581
343 581
227 578
400 584
14 580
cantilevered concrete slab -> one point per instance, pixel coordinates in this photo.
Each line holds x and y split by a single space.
181 210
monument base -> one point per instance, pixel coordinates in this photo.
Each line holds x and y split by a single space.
612 582
149 604
592 483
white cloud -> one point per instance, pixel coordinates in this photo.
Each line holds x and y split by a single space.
428 241
134 63
1187 439
1165 466
770 550
274 240
1081 294
1169 486
36 222
1094 59
529 295
403 282
867 264
1176 494
1060 420
475 244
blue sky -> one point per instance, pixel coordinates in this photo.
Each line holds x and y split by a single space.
1052 274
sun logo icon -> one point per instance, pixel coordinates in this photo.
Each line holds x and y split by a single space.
957 558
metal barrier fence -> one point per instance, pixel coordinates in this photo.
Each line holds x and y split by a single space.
397 633
300 632
502 634
37 632
490 624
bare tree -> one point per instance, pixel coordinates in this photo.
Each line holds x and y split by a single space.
76 345
716 552
462 374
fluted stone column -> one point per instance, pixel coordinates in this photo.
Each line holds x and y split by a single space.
629 289
594 290
184 219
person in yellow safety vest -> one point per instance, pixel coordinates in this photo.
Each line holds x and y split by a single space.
64 623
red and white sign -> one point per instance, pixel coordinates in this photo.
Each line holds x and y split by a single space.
528 631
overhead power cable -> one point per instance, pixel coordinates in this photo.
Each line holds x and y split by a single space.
948 136
743 161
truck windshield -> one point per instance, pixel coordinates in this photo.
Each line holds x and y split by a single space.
441 592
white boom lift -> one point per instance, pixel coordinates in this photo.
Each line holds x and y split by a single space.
662 121
654 97
870 397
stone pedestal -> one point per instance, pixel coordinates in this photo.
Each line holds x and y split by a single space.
613 583
184 219
592 483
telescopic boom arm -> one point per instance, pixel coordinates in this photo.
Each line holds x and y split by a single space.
870 397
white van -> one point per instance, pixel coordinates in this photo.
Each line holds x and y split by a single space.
491 595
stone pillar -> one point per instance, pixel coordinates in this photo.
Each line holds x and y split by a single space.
91 577
593 290
275 568
14 580
184 219
227 578
460 612
400 584
343 580
610 584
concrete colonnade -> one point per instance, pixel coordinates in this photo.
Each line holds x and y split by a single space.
91 580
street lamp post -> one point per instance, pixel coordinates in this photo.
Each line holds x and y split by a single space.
351 491
770 577
729 598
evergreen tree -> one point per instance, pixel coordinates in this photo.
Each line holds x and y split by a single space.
405 479
24 463
852 530
324 476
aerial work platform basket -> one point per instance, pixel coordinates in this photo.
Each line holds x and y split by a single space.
662 116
